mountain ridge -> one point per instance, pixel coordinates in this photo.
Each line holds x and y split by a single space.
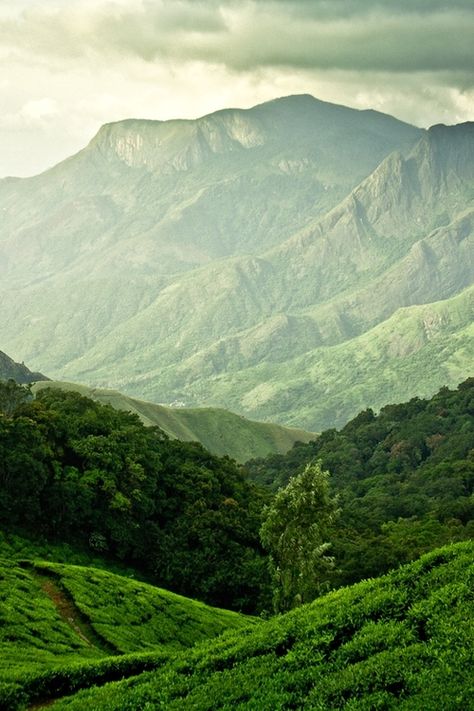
220 431
266 252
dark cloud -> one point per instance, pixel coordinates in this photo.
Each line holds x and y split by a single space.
364 35
74 64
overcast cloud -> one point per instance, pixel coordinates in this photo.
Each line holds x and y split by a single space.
70 65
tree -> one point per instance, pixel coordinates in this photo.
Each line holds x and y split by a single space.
12 395
295 531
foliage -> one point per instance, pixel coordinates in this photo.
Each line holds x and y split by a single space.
404 641
80 472
219 431
404 479
12 396
32 634
45 650
294 531
134 616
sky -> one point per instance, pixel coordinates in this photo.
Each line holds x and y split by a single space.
69 66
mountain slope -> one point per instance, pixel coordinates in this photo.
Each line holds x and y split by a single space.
10 370
180 261
148 199
414 352
167 196
403 237
401 641
220 431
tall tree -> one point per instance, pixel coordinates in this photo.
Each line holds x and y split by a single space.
295 531
12 395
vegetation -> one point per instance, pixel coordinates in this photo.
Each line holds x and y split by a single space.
12 396
294 530
404 480
404 641
53 615
133 616
33 636
83 473
221 432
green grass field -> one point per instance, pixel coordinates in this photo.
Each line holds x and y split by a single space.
63 624
133 616
403 641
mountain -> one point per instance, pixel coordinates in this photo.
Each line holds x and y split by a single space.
146 199
218 262
220 431
9 370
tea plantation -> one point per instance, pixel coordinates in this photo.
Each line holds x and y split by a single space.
402 641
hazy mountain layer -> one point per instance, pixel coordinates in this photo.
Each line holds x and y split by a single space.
220 431
9 370
215 261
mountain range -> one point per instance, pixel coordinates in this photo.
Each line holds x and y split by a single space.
297 261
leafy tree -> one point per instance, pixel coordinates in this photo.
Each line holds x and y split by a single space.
295 530
12 395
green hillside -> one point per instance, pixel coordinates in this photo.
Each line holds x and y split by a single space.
55 614
403 641
413 353
220 431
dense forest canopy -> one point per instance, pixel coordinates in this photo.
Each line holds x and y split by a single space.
81 472
75 471
405 480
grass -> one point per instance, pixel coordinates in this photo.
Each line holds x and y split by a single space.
403 641
64 626
134 616
33 636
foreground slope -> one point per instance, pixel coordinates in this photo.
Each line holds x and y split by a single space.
403 641
220 431
56 614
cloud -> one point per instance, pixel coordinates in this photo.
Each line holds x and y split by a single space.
400 36
75 64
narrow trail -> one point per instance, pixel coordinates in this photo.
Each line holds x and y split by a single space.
67 610
70 613
77 621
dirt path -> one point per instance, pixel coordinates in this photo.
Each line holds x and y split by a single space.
77 621
70 613
67 610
